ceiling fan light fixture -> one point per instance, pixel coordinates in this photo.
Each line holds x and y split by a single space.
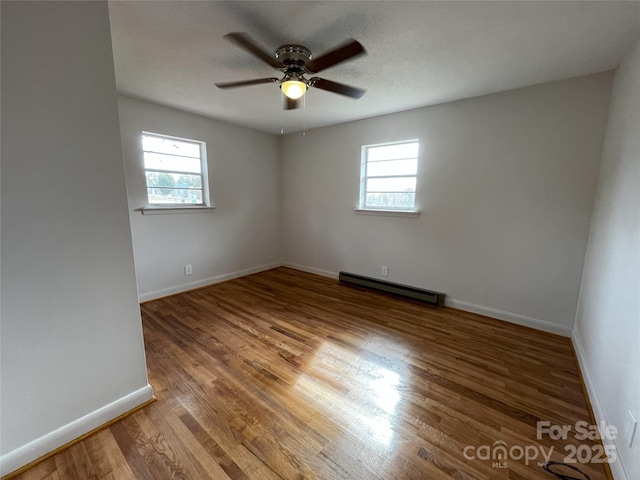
293 89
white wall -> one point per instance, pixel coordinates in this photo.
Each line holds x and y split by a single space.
505 188
72 349
607 330
241 236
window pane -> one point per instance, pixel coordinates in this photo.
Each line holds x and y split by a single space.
402 184
170 180
391 200
151 143
162 195
390 152
392 167
173 170
158 161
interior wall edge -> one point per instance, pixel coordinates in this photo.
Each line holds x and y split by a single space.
617 469
35 449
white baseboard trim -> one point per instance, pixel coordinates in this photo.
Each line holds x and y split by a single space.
145 297
617 468
39 447
509 317
467 306
317 271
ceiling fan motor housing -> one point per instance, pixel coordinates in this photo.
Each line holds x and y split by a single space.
293 55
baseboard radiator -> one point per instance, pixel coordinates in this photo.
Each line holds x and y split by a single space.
427 296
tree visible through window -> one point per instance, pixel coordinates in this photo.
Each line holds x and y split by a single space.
175 170
388 176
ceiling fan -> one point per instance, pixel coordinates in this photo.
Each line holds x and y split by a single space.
296 61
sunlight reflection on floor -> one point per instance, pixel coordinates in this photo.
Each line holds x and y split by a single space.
368 392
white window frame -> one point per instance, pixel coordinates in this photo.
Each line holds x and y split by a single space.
204 178
400 211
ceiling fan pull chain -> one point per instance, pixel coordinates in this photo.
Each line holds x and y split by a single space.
282 101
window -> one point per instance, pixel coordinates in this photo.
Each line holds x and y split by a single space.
388 176
176 171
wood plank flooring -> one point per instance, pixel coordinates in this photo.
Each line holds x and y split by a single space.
287 375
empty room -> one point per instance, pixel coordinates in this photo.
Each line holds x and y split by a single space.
320 240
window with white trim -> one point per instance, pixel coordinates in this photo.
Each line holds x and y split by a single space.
388 176
176 171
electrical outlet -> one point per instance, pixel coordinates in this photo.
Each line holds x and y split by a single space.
630 428
188 270
385 271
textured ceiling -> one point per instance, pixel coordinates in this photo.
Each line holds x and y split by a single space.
419 53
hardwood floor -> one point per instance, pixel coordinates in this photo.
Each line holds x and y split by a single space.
288 375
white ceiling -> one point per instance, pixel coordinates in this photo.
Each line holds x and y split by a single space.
419 53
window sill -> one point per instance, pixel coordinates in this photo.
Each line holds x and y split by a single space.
387 213
172 210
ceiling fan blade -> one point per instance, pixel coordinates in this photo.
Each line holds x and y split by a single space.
290 103
347 51
246 83
336 87
244 41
